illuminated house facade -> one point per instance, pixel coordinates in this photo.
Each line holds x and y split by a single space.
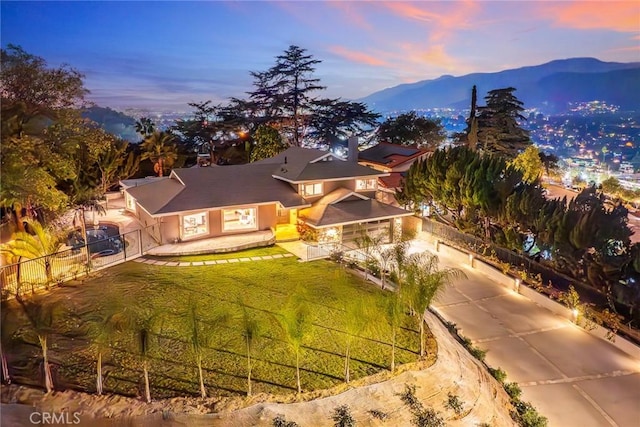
332 196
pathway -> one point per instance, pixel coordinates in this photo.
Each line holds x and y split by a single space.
570 376
160 262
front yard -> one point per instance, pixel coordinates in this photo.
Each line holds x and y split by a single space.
264 287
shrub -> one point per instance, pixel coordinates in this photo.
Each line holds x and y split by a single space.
513 390
408 397
378 414
427 418
307 233
527 416
498 374
342 417
280 421
454 403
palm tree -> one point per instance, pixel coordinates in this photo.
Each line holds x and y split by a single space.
104 325
393 315
385 257
368 245
250 330
41 246
399 258
159 147
42 317
144 321
357 317
424 282
295 324
145 126
201 327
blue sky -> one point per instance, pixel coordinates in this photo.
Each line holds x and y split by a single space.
165 54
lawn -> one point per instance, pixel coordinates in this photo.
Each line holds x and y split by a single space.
265 287
247 253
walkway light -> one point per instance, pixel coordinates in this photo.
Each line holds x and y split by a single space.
517 285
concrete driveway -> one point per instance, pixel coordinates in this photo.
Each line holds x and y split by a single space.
571 377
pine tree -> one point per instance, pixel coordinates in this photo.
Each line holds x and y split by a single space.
498 129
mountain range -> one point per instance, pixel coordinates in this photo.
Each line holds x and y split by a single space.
549 87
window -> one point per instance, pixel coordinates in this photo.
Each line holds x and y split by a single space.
130 202
239 219
195 225
312 189
366 184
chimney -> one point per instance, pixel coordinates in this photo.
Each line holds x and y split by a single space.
353 149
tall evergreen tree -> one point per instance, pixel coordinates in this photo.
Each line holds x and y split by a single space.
472 121
499 131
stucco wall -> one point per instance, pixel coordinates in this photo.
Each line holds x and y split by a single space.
170 227
267 217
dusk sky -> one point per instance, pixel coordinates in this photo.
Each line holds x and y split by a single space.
166 54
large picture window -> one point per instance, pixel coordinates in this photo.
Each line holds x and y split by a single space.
312 189
239 219
195 225
366 184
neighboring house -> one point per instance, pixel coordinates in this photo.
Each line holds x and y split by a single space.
332 196
394 159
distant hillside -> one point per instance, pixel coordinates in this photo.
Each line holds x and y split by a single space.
114 122
549 86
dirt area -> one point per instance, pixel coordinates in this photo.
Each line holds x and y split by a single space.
455 372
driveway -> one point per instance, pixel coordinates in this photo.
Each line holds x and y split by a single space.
571 377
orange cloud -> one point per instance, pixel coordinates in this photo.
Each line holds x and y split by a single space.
360 57
440 19
353 13
585 15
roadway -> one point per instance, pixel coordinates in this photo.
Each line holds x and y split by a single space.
570 376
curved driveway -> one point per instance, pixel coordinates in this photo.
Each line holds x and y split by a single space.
570 376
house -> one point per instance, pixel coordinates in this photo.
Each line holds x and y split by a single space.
395 160
333 197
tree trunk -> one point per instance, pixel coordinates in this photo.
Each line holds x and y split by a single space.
248 368
421 336
48 380
147 390
298 371
99 375
5 367
393 350
347 356
17 211
203 391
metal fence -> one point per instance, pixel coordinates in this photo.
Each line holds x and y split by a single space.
32 274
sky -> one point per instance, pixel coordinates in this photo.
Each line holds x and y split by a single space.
163 54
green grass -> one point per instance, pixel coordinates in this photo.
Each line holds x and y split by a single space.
271 250
265 286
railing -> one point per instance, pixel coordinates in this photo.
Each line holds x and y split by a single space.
533 268
31 274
